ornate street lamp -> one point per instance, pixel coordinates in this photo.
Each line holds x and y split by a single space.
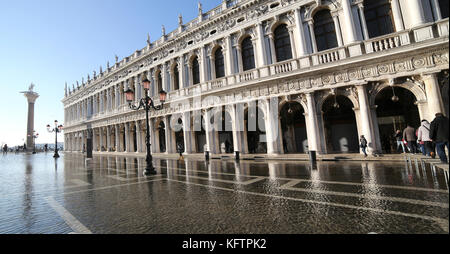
147 104
56 130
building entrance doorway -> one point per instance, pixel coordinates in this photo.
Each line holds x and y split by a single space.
341 133
396 108
255 130
293 126
162 137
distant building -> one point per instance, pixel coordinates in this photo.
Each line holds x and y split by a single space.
335 69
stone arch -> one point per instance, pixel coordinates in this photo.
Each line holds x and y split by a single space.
244 35
418 91
285 100
351 95
281 21
310 12
191 58
215 47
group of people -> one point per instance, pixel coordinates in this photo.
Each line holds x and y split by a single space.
427 139
23 148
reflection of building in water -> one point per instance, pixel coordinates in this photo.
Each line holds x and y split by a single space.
335 72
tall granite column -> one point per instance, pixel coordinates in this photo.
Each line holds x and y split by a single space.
31 97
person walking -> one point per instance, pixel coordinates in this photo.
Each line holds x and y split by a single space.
363 144
399 139
5 149
439 134
423 136
409 135
180 149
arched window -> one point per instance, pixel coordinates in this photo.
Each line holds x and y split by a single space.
324 30
379 19
219 63
248 55
195 71
443 5
176 78
282 43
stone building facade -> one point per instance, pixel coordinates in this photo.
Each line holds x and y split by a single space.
274 77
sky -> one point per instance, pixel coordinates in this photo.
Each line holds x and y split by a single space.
50 42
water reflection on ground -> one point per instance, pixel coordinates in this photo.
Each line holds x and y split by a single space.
111 195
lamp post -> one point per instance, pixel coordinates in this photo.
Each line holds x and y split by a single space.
147 104
56 130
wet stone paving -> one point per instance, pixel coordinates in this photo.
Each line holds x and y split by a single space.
111 195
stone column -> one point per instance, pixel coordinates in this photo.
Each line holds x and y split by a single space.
108 138
181 72
367 126
117 90
260 50
349 21
100 137
154 136
337 27
228 55
312 35
434 97
210 137
415 10
212 59
138 137
82 141
202 65
363 21
237 116
94 139
111 96
127 138
117 136
239 52
187 133
436 9
300 34
272 48
273 128
397 15
31 98
137 90
312 125
170 147
292 39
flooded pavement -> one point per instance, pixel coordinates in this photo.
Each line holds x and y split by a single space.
111 195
